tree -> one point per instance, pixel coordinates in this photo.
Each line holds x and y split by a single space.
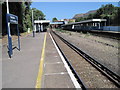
79 19
27 23
38 14
116 19
14 8
109 12
90 16
23 11
54 19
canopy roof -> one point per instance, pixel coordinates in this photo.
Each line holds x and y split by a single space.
42 21
88 21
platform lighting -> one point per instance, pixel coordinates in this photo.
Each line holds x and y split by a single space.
33 23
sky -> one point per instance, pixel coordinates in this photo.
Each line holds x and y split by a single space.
67 10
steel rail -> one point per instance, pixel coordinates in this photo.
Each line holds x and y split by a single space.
83 86
103 69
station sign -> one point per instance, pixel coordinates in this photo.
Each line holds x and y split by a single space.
13 19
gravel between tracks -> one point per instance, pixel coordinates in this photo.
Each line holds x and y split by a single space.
89 75
105 50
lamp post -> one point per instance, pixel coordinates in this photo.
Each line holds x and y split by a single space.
40 17
8 13
7 7
40 25
33 24
108 20
9 34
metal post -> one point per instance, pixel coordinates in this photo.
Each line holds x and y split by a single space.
9 38
33 24
41 27
35 28
18 38
9 34
7 7
109 21
72 26
99 25
105 23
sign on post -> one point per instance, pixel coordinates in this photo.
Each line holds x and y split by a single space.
12 19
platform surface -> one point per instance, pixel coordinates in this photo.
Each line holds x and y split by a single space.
21 71
55 74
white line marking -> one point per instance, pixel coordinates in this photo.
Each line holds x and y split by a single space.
54 63
56 56
76 84
61 73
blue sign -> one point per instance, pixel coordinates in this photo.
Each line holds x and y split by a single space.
12 19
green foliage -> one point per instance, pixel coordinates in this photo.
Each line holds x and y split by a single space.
27 23
23 11
38 14
90 16
27 12
54 19
79 19
14 8
70 21
109 12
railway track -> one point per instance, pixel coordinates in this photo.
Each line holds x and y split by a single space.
89 75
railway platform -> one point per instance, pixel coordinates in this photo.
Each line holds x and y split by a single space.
54 74
37 65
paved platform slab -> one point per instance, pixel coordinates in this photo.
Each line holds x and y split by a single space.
55 74
22 69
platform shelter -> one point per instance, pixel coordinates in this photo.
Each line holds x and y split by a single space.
40 25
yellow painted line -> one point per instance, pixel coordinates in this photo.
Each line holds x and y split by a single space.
39 77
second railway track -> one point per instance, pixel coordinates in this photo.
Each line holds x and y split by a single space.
91 72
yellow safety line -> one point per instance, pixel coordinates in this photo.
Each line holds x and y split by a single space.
39 78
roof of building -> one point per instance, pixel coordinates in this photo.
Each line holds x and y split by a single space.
87 21
42 21
56 22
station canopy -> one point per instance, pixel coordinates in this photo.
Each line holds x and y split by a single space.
88 21
42 21
56 23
